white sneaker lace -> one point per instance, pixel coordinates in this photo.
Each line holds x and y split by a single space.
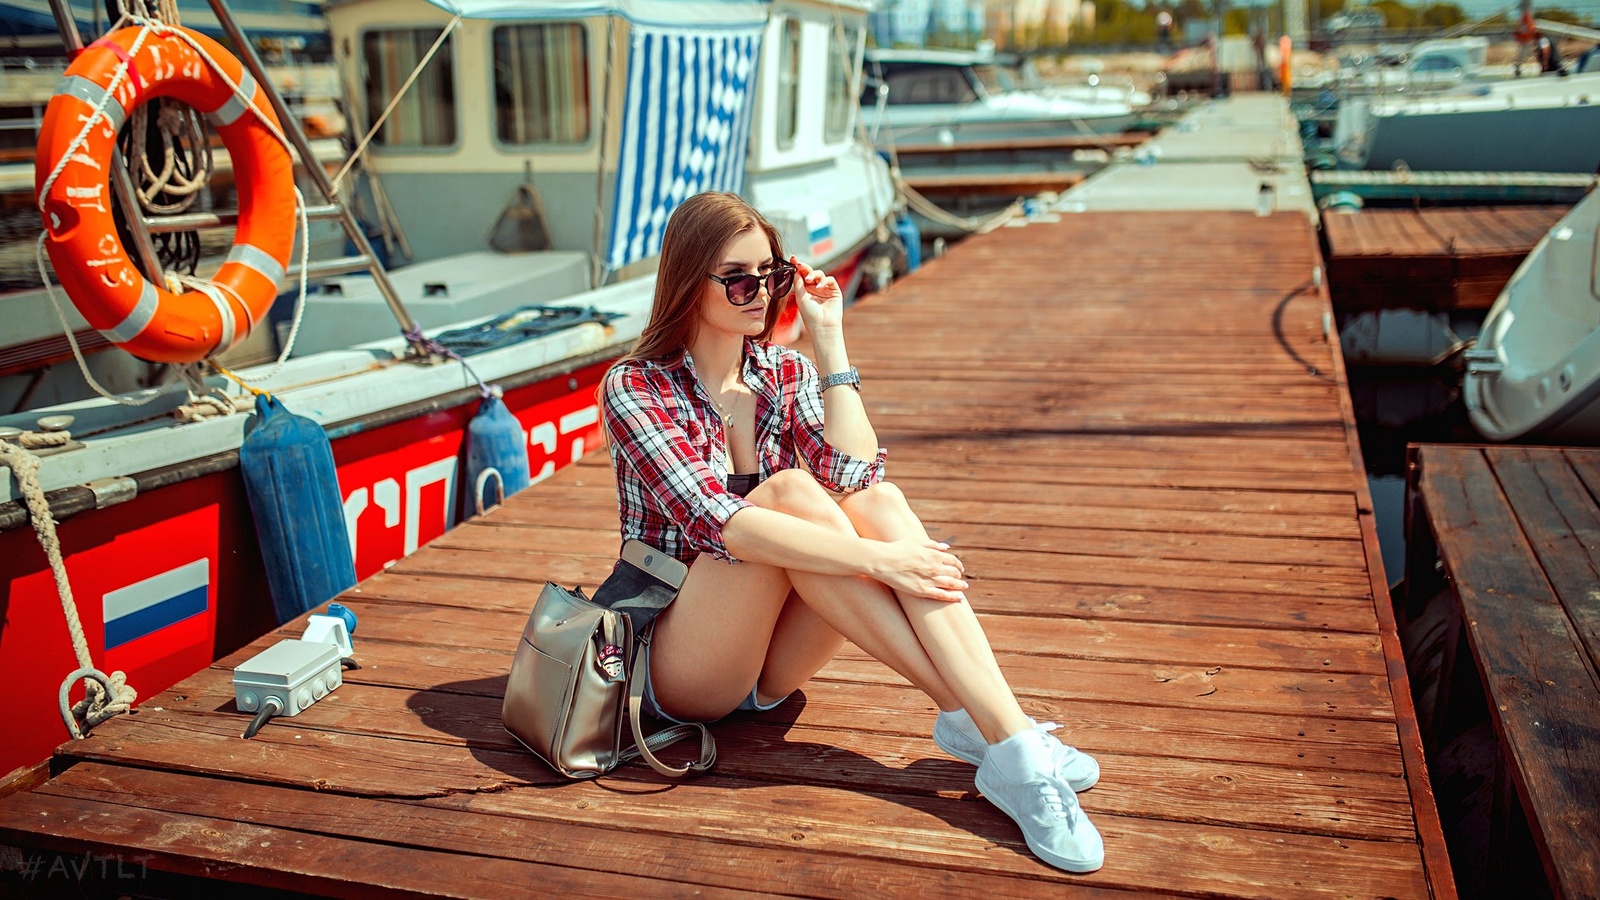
1055 805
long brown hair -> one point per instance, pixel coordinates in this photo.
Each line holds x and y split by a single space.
690 249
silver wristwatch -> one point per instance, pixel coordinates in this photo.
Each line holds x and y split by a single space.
850 377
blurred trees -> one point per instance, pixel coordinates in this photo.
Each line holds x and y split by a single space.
1130 22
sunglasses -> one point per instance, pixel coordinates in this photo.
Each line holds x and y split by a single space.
742 289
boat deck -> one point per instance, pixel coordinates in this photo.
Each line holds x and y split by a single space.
1149 465
1435 259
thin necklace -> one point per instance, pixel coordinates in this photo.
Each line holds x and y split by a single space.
726 412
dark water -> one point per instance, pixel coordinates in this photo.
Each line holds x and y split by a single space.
1396 407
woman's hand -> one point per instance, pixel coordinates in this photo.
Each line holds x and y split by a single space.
922 568
820 299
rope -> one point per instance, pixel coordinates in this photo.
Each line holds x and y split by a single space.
254 391
72 340
42 440
395 101
415 337
104 695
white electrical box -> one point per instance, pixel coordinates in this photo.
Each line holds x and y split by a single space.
298 673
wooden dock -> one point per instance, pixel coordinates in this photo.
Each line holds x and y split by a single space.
1517 531
1430 259
1148 462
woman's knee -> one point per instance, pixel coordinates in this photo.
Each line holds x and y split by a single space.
885 497
797 493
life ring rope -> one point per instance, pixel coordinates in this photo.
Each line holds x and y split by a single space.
110 104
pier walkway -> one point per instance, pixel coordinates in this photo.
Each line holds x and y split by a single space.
1148 462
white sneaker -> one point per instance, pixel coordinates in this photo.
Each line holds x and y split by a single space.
1078 769
1052 823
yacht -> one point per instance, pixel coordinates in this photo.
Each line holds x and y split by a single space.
1537 124
951 98
1535 372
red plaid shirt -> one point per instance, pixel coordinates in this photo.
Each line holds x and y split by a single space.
671 455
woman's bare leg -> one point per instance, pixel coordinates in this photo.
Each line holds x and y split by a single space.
950 632
732 625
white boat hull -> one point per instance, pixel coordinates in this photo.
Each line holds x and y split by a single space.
1535 372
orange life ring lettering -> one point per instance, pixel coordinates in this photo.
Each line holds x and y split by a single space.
143 318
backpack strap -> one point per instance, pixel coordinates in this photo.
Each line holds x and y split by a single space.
646 746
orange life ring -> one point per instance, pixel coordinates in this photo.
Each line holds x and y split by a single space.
145 319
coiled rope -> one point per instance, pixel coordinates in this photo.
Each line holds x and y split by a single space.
104 695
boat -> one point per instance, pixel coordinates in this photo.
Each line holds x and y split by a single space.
1431 66
1556 119
151 505
1094 87
950 98
1535 371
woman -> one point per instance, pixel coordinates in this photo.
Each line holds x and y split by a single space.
765 478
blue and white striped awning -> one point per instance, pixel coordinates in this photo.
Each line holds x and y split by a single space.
686 128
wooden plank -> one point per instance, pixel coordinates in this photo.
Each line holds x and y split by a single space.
1289 522
1066 533
896 427
1154 854
600 850
1380 232
1086 601
286 859
601 485
1128 730
1278 692
1055 637
1544 696
450 555
1430 830
299 753
455 669
1562 526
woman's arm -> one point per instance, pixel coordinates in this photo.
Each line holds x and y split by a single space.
919 568
845 423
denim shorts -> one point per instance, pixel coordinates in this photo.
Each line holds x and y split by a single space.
652 708
639 594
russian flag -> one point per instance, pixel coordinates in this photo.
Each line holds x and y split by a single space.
147 606
820 229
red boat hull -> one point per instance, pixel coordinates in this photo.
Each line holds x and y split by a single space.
400 484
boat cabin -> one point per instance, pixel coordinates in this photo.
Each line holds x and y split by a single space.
571 130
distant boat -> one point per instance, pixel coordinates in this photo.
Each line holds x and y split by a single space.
1535 371
951 97
1543 124
1444 64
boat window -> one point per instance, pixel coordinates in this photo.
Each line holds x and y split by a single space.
841 71
426 115
928 84
789 84
541 84
993 79
1434 64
